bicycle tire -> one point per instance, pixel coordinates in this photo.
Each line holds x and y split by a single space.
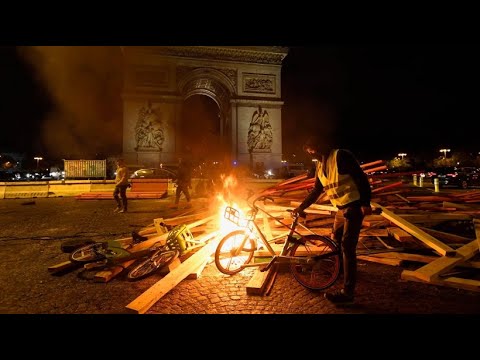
318 273
224 259
86 254
157 260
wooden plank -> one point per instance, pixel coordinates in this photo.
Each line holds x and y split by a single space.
423 259
386 261
374 232
146 300
476 223
427 239
108 274
452 238
401 235
448 204
257 284
63 266
460 283
173 265
413 218
198 272
267 231
402 198
457 283
163 238
159 226
434 269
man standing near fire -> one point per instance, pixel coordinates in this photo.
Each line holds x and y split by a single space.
121 185
340 176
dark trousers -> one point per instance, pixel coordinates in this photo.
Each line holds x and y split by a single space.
182 188
346 230
120 192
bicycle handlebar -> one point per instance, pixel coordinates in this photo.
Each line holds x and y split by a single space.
264 198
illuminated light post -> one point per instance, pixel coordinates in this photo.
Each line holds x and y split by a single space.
402 155
445 152
38 158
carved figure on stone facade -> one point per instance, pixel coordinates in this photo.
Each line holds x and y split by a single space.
260 133
149 130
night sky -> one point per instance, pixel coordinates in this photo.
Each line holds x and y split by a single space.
377 100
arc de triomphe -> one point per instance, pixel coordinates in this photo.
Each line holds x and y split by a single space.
244 82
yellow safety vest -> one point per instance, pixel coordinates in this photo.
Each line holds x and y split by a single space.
341 189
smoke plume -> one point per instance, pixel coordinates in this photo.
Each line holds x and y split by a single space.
85 83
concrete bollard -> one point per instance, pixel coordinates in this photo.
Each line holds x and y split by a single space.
436 184
421 181
415 179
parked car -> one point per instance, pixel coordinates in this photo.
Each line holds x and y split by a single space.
462 177
153 173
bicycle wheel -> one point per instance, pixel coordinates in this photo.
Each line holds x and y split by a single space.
88 253
322 268
226 260
157 260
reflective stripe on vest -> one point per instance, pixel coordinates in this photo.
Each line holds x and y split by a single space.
341 189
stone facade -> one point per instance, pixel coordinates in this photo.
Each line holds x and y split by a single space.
244 82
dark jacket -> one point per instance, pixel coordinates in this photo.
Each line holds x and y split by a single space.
184 174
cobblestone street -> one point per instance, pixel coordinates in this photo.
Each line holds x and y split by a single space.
32 231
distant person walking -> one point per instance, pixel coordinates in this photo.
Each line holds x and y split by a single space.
121 185
184 181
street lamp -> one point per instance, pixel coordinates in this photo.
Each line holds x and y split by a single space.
402 155
445 152
38 158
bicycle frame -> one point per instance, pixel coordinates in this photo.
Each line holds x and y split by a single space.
314 259
254 229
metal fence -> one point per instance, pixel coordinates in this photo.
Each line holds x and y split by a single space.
85 169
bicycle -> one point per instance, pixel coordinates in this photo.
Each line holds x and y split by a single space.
314 259
110 253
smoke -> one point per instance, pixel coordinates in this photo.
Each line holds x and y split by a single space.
85 84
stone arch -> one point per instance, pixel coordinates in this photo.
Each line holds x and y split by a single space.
242 81
211 83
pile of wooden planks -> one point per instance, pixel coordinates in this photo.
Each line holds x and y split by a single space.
437 233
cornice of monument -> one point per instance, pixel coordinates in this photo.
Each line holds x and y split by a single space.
273 55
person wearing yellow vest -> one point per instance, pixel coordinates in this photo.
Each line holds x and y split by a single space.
340 176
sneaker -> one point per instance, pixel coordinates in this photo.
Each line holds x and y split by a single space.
339 297
173 206
122 211
188 206
117 209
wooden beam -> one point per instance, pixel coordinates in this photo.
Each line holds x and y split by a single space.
427 239
145 301
198 272
258 283
413 218
108 274
63 266
452 238
454 282
476 223
423 259
386 261
433 270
